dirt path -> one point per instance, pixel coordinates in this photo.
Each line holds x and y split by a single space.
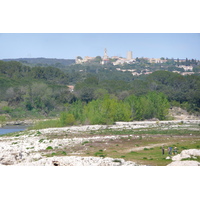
142 147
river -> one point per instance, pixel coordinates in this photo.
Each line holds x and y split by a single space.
11 129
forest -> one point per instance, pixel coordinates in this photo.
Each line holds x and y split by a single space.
100 96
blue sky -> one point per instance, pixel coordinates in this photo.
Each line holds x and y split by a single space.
70 45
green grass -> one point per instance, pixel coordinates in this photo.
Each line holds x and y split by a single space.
58 153
100 153
41 140
149 131
148 156
85 142
195 158
46 124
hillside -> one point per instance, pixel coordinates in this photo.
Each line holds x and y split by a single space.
43 61
43 91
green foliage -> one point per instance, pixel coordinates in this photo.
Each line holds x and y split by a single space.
49 148
152 105
100 153
42 91
109 109
46 124
2 119
106 111
41 140
67 119
85 142
7 109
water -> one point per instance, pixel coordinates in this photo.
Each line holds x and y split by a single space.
11 129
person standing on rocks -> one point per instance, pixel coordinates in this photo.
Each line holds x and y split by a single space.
163 150
169 150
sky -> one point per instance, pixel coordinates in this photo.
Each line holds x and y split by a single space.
176 24
70 45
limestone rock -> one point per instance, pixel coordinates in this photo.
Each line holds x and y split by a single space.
190 153
184 163
186 154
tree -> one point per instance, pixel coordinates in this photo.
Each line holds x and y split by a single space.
39 97
98 59
79 57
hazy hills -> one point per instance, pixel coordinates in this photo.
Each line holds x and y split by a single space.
43 61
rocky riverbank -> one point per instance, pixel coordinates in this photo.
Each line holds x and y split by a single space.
67 146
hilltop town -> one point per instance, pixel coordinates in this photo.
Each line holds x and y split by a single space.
143 66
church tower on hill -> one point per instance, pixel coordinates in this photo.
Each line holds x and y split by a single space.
105 57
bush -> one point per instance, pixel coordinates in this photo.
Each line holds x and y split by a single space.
7 109
67 119
49 147
2 118
85 142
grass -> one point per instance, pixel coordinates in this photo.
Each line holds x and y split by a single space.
58 153
195 158
148 155
100 153
46 124
149 131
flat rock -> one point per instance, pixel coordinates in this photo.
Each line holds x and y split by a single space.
186 154
184 163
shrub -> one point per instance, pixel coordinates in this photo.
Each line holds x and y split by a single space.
7 109
133 152
67 119
2 118
64 153
38 133
183 147
49 147
85 142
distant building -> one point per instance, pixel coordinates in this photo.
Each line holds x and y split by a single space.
129 55
187 73
186 68
71 88
105 59
156 60
86 59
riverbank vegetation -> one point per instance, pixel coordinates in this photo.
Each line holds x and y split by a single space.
100 96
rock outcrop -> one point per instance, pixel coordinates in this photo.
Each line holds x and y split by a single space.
78 161
179 160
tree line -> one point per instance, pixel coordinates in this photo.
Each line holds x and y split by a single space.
108 109
43 90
